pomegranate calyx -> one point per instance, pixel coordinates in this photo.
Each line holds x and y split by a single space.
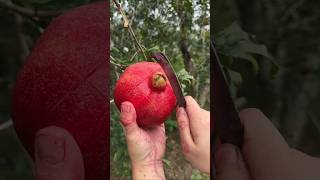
158 81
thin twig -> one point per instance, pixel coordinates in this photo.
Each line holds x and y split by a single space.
116 64
143 47
28 12
116 67
117 72
134 55
128 25
113 61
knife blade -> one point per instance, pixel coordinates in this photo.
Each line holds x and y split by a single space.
170 73
227 123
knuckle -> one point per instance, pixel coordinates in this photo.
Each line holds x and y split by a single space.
186 149
183 124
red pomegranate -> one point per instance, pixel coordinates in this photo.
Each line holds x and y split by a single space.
146 86
64 83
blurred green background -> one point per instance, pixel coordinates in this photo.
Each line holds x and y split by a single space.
181 30
290 30
244 30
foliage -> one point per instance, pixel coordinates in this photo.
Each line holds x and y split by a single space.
159 26
233 44
290 31
288 28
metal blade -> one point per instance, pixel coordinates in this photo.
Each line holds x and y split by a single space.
227 123
169 71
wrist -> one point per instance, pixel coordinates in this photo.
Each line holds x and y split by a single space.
150 170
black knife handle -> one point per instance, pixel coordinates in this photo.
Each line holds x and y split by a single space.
227 123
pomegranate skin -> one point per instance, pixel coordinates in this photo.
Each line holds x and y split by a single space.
64 83
153 106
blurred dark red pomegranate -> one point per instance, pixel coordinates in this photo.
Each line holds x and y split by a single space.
65 83
145 85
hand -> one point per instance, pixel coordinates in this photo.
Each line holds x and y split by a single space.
265 154
194 129
146 146
57 155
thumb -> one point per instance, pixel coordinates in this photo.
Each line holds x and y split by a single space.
128 120
230 164
264 148
57 155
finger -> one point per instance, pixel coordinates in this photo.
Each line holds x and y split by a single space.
57 155
195 114
264 149
230 164
184 130
128 120
193 109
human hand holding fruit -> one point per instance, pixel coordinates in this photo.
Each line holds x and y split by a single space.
146 146
146 86
146 99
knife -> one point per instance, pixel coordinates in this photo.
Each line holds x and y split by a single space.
174 81
227 125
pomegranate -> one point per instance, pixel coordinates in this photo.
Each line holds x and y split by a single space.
64 83
146 86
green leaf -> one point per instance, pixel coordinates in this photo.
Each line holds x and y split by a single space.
256 49
226 61
184 76
116 50
236 77
274 70
251 59
116 156
166 161
155 48
236 43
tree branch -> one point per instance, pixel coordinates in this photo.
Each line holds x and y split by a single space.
28 12
186 56
128 25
